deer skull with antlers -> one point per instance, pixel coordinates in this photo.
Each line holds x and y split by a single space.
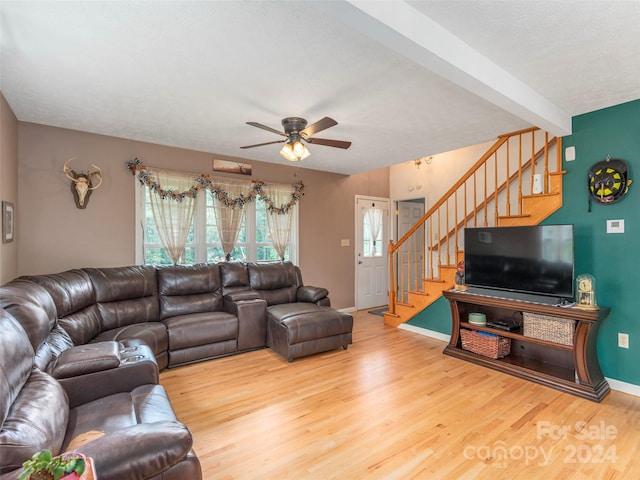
81 185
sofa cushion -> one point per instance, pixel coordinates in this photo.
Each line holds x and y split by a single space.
74 297
16 361
71 290
144 404
123 283
234 276
200 329
32 306
82 326
153 334
274 282
125 295
271 276
189 289
141 435
36 421
161 450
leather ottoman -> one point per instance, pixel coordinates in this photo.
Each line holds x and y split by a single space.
299 329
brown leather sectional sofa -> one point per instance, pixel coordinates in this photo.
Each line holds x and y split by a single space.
80 353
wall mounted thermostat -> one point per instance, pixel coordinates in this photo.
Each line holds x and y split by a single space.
570 154
615 226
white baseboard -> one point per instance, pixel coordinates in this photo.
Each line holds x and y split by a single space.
624 387
347 310
426 332
617 385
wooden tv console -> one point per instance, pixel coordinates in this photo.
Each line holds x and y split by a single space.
570 368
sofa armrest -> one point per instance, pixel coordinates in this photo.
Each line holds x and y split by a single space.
310 294
136 366
140 451
252 320
85 359
241 295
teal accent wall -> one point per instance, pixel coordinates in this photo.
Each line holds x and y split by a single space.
436 317
614 259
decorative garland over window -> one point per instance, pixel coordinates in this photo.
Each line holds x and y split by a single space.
296 195
207 182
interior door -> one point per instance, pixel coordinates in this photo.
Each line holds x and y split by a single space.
372 262
410 259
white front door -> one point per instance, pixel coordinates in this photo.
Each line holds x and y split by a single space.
372 261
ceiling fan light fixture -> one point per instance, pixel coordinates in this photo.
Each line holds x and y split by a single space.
298 148
287 152
294 151
297 134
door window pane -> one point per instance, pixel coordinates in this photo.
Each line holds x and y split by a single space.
372 232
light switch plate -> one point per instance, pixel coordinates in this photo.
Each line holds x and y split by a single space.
345 242
615 226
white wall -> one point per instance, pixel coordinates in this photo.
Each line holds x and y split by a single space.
435 176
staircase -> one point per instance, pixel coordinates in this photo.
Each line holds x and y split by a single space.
498 190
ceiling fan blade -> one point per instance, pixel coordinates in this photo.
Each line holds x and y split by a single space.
320 125
268 129
329 143
261 144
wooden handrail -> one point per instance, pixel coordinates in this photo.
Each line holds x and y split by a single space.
448 193
498 191
410 264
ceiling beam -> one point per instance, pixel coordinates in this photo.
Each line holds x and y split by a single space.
402 28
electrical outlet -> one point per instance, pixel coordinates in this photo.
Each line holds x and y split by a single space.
623 340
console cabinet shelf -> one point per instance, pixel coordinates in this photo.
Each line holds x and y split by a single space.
570 368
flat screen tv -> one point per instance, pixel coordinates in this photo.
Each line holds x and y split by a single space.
536 260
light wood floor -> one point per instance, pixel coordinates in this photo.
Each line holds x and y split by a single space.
393 406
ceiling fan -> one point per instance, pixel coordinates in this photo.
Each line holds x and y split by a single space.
295 132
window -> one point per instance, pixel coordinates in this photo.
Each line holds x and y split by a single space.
203 242
372 232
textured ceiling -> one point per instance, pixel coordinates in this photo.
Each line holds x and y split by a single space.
190 74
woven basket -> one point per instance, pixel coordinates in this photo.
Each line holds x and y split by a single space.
486 344
548 328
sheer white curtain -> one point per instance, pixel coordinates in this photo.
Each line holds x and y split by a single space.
374 221
228 213
172 209
279 219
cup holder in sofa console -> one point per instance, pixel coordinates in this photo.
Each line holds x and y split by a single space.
133 359
130 349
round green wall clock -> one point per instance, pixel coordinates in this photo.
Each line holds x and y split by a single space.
608 180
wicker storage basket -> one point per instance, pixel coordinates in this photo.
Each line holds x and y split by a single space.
548 328
486 344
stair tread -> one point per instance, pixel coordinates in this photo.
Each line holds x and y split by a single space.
524 215
418 292
536 195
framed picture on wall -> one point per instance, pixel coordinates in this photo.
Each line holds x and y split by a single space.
226 166
8 220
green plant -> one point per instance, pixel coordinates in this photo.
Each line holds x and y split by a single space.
44 466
